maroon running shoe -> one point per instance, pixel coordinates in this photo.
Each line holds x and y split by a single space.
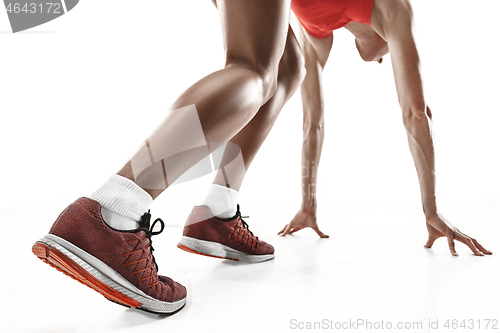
118 264
229 238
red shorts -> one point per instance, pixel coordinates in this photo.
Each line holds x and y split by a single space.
321 17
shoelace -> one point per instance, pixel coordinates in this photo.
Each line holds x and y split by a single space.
247 237
145 225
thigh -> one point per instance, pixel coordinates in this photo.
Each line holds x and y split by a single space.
254 31
292 59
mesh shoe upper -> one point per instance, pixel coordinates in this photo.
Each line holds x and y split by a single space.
129 253
232 232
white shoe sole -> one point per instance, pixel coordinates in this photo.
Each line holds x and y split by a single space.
91 271
217 250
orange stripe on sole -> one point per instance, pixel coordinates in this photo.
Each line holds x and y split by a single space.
64 264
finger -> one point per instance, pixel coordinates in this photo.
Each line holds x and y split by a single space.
451 245
286 230
430 242
283 230
467 241
295 230
477 245
480 247
319 232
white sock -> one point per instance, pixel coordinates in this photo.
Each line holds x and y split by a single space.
123 202
222 201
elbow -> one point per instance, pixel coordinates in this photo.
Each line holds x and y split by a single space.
416 115
314 127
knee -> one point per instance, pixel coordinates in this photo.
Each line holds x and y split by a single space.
269 83
264 76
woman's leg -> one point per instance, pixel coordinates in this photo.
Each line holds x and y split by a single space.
218 106
213 109
291 72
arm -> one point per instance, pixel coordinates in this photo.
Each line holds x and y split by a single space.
393 21
316 53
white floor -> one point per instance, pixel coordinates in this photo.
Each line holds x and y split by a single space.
373 268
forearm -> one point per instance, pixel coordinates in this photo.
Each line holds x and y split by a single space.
316 51
397 31
313 133
418 126
311 152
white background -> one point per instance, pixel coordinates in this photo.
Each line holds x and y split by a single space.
79 94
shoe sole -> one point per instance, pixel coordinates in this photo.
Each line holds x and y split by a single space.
217 250
92 272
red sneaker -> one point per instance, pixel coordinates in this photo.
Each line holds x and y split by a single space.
230 238
117 264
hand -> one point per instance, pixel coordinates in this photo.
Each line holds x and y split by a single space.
303 219
438 226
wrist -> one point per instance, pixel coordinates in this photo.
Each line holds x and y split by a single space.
430 215
430 208
309 208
